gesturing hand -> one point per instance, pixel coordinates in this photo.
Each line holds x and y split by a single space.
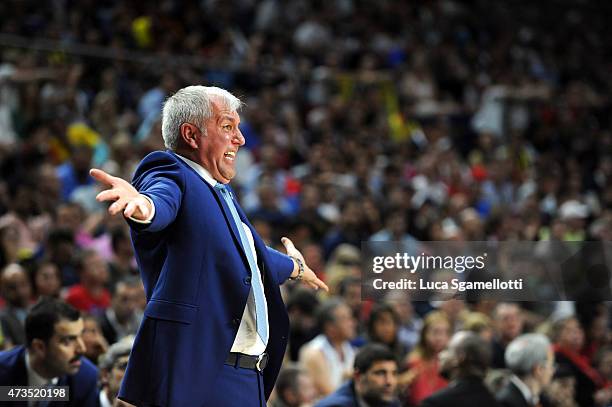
309 277
126 198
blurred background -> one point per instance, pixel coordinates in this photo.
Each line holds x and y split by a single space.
364 120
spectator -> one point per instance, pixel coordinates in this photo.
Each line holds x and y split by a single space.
349 289
562 390
603 364
75 172
465 362
345 262
95 344
328 358
17 291
52 354
46 280
595 318
480 324
9 249
531 360
90 295
374 381
122 263
508 320
423 376
123 317
410 323
348 230
383 326
301 307
21 219
568 338
112 368
61 249
294 388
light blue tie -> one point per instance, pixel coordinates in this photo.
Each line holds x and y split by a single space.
257 286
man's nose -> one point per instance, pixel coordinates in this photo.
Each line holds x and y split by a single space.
80 348
240 138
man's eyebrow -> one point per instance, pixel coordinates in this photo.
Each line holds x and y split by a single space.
62 337
227 117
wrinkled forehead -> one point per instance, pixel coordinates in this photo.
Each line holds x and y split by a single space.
222 110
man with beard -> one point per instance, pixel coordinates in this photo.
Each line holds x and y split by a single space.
374 382
465 363
52 356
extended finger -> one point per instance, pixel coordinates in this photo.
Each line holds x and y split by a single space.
108 195
102 176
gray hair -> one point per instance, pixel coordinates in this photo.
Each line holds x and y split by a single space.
115 351
526 352
192 105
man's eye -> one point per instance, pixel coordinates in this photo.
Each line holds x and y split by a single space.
227 127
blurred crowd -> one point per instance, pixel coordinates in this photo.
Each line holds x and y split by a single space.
364 120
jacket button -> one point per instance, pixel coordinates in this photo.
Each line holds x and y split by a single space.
236 321
247 280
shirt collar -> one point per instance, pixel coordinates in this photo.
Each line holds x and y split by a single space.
34 379
525 390
202 172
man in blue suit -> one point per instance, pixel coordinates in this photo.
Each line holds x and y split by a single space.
53 356
215 327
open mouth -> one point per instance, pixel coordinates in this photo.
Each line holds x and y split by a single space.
230 155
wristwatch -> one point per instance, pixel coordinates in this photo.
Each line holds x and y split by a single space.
300 274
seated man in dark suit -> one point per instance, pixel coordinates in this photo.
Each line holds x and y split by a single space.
465 362
531 359
123 317
374 382
52 356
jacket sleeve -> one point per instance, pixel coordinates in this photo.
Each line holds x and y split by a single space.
84 386
160 178
280 264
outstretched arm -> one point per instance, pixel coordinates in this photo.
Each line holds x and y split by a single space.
126 198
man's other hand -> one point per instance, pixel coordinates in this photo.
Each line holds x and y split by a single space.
309 277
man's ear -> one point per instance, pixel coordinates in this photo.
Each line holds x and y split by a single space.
189 134
38 347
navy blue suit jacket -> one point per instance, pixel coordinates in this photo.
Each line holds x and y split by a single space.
83 385
345 396
197 281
